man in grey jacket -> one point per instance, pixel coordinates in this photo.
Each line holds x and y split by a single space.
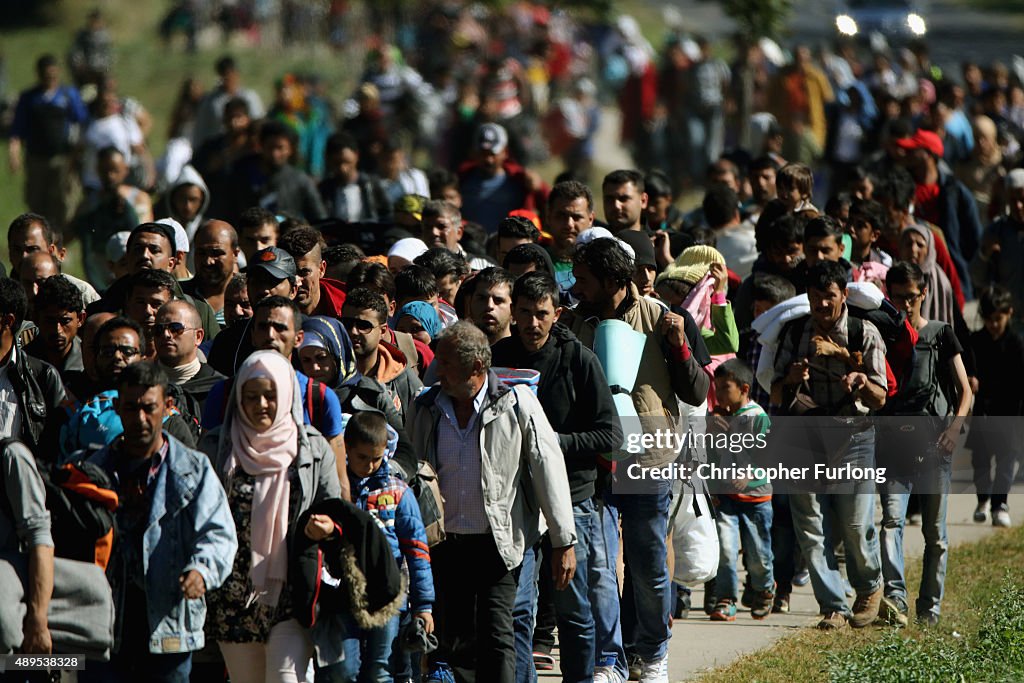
498 463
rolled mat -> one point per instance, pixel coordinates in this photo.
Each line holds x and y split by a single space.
514 376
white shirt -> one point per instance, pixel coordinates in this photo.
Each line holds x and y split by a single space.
10 411
115 130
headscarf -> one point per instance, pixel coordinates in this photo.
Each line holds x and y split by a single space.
266 456
330 334
425 313
940 302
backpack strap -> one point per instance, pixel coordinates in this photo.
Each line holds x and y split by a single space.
319 401
854 334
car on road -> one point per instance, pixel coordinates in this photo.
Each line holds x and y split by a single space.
892 19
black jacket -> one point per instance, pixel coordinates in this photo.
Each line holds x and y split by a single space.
576 399
40 398
204 380
376 206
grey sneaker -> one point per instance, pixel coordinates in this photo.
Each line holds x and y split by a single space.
981 512
607 674
1001 517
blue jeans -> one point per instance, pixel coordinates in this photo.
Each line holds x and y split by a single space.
647 593
367 655
750 523
895 494
604 588
572 606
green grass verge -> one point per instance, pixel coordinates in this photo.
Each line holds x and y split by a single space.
980 638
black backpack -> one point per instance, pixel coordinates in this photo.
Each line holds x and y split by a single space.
188 409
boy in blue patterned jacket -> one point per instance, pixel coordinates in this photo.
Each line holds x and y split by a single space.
370 444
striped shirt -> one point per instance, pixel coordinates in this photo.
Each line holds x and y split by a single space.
458 467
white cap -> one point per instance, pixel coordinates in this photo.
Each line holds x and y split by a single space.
180 236
591 234
117 245
408 248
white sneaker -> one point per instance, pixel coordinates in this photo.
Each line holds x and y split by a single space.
981 512
655 671
607 674
1001 517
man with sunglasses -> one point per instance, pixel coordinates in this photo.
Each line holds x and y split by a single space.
95 422
178 332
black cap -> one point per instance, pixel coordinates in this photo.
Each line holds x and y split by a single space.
643 248
275 262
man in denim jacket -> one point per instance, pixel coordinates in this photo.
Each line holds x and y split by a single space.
176 538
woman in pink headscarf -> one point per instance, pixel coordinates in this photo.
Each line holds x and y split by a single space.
273 468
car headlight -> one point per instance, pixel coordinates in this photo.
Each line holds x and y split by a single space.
846 25
916 24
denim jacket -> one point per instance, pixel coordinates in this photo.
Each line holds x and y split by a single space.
189 527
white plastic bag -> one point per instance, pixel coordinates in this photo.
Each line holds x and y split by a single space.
694 538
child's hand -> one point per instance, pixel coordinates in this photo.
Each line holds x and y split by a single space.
720 276
428 621
740 485
319 527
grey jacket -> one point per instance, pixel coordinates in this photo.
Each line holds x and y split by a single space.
522 469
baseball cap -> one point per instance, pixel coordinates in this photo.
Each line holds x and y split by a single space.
275 262
411 204
117 246
491 137
180 236
922 139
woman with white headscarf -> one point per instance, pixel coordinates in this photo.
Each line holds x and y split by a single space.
273 468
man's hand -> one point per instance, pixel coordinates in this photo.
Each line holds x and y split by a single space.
855 381
37 639
975 384
428 621
563 566
319 527
192 585
720 274
947 439
672 328
798 373
14 155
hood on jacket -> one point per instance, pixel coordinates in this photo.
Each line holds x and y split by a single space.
392 362
189 176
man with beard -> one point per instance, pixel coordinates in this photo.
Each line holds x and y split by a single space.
59 316
177 335
317 295
216 259
570 212
624 200
490 306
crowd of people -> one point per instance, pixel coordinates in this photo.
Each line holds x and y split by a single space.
353 420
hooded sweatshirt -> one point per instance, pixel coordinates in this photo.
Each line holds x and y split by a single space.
400 381
188 176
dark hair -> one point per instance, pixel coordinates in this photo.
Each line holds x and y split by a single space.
367 426
225 64
340 142
300 241
118 323
785 231
439 179
364 298
823 227
45 62
276 129
735 370
143 374
623 176
13 300
606 259
443 262
238 103
517 226
773 288
536 286
867 211
994 299
150 277
569 191
493 276
343 253
761 163
796 176
415 282
657 184
896 187
60 293
823 274
238 281
255 217
108 152
772 211
277 301
161 229
836 203
26 221
375 276
720 205
905 273
522 254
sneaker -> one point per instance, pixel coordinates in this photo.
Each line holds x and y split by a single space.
914 519
832 621
762 604
748 595
1001 516
709 596
682 608
440 673
607 674
543 661
865 609
636 667
891 613
802 577
781 604
655 671
981 512
725 610
927 620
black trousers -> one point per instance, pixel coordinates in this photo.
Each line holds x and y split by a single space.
475 594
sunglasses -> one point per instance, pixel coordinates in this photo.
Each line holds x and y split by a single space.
176 329
111 350
359 324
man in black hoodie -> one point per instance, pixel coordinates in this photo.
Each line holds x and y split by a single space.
578 403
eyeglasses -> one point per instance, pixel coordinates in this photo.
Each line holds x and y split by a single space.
176 329
111 350
905 298
359 324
